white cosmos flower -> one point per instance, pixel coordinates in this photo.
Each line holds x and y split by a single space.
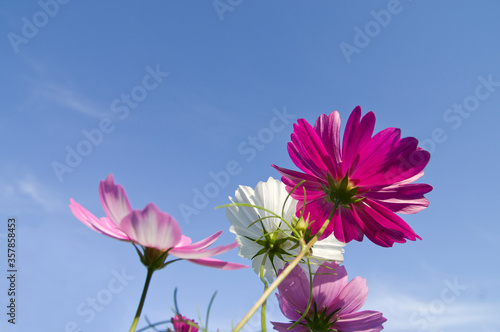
271 195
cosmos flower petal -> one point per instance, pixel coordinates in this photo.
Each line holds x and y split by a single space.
408 198
114 200
323 249
357 133
361 321
284 327
182 324
328 282
188 253
103 225
200 244
217 264
328 129
307 151
379 230
352 297
152 228
294 290
387 159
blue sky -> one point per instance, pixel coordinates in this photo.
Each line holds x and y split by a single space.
167 94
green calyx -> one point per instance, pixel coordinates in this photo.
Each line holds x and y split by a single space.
320 321
341 192
271 244
153 258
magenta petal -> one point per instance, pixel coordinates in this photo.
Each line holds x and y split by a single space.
283 327
352 297
294 291
362 321
345 227
390 221
387 159
328 129
114 199
217 264
407 198
328 282
307 150
152 228
378 229
356 135
103 225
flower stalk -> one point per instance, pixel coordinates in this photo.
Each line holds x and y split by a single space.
143 298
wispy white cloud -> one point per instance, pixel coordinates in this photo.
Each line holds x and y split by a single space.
48 94
55 94
27 194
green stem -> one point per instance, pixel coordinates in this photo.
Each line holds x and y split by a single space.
143 298
266 285
281 277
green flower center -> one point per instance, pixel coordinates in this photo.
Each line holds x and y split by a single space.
341 192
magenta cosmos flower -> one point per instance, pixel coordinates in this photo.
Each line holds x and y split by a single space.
368 179
154 230
335 302
182 324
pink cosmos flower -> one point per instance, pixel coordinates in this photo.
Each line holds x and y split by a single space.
369 179
182 324
154 230
335 302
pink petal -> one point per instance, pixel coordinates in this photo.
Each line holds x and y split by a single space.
185 241
356 135
328 129
287 309
114 200
187 253
345 226
294 291
387 159
328 282
408 198
362 321
283 327
351 298
308 152
152 228
217 264
380 230
200 244
318 211
103 225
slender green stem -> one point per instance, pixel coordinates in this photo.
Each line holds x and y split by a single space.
266 285
143 298
281 277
